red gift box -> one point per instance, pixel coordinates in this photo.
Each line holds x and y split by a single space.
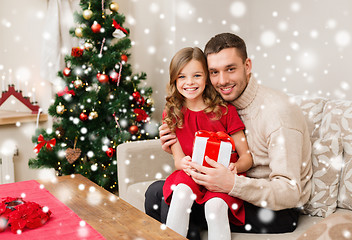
216 145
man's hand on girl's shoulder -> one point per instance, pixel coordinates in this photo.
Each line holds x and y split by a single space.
167 138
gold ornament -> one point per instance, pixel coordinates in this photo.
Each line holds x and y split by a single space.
79 32
60 109
150 101
78 83
87 14
88 46
93 114
114 6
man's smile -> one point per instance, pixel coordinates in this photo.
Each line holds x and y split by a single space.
226 89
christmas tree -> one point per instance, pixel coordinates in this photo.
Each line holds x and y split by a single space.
101 105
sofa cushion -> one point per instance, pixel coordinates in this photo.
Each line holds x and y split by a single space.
312 109
337 121
345 126
345 190
135 194
327 161
336 226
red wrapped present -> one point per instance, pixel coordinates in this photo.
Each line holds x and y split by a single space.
216 145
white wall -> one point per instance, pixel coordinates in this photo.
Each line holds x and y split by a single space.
21 28
297 46
21 37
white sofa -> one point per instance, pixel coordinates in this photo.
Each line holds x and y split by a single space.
328 213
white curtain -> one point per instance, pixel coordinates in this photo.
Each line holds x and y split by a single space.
57 40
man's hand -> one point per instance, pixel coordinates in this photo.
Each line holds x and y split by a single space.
216 179
167 138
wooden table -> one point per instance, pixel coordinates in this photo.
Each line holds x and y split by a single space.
105 212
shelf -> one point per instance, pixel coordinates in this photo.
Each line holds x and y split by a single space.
11 117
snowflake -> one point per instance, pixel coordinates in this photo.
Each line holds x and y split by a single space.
266 215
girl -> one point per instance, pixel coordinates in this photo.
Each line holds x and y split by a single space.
193 104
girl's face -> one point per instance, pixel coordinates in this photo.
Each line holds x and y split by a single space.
191 82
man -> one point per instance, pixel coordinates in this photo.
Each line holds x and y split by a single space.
278 138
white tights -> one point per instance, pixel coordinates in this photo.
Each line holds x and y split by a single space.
180 209
217 219
215 213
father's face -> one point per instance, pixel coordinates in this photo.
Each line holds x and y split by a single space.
228 73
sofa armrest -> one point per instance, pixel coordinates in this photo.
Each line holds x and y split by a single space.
141 161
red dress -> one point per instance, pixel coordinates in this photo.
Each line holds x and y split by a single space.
193 122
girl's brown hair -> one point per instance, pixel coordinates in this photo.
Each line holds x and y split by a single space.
175 101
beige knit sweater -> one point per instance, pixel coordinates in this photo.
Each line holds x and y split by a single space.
279 141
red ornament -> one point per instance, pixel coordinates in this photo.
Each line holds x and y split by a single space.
110 152
140 101
114 76
67 71
124 58
76 52
133 129
83 116
103 78
96 27
136 96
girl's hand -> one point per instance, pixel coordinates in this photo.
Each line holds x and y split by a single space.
217 178
185 163
232 168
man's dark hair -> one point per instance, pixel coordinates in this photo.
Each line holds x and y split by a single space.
226 40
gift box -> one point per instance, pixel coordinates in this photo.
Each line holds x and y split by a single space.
216 145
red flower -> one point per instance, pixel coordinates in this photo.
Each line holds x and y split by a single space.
29 215
77 52
6 207
141 115
3 216
2 208
20 214
8 200
4 211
